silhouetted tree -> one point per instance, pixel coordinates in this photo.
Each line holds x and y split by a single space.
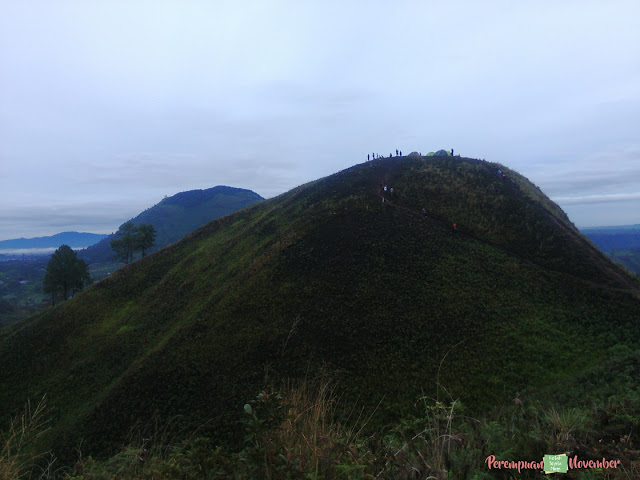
132 238
146 237
126 244
66 274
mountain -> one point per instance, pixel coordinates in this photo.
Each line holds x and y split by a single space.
610 239
180 214
327 278
73 239
173 218
629 258
621 243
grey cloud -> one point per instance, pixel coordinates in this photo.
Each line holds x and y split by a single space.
171 173
599 214
581 181
143 169
96 217
589 199
313 99
610 172
267 97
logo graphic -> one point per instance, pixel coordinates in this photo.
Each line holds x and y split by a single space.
555 463
550 464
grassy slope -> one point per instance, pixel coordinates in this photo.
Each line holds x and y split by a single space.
173 217
327 277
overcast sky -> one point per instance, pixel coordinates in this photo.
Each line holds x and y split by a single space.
107 106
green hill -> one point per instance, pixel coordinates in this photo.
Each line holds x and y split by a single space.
173 218
180 214
328 278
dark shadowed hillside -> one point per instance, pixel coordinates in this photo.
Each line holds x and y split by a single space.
180 214
328 278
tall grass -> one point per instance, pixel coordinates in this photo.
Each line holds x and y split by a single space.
306 439
424 454
18 455
303 430
564 427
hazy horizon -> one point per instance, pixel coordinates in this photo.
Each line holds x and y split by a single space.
107 232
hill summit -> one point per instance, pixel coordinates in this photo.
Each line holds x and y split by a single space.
338 275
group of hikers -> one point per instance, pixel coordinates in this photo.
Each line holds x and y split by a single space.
374 156
504 177
387 192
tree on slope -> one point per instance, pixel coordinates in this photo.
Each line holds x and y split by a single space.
125 245
66 274
132 238
146 237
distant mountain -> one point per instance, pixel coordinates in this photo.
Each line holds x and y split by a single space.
610 239
73 239
621 243
176 216
628 258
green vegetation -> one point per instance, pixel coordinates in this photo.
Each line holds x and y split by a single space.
21 276
392 305
303 430
66 274
130 238
21 292
100 271
17 456
178 215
